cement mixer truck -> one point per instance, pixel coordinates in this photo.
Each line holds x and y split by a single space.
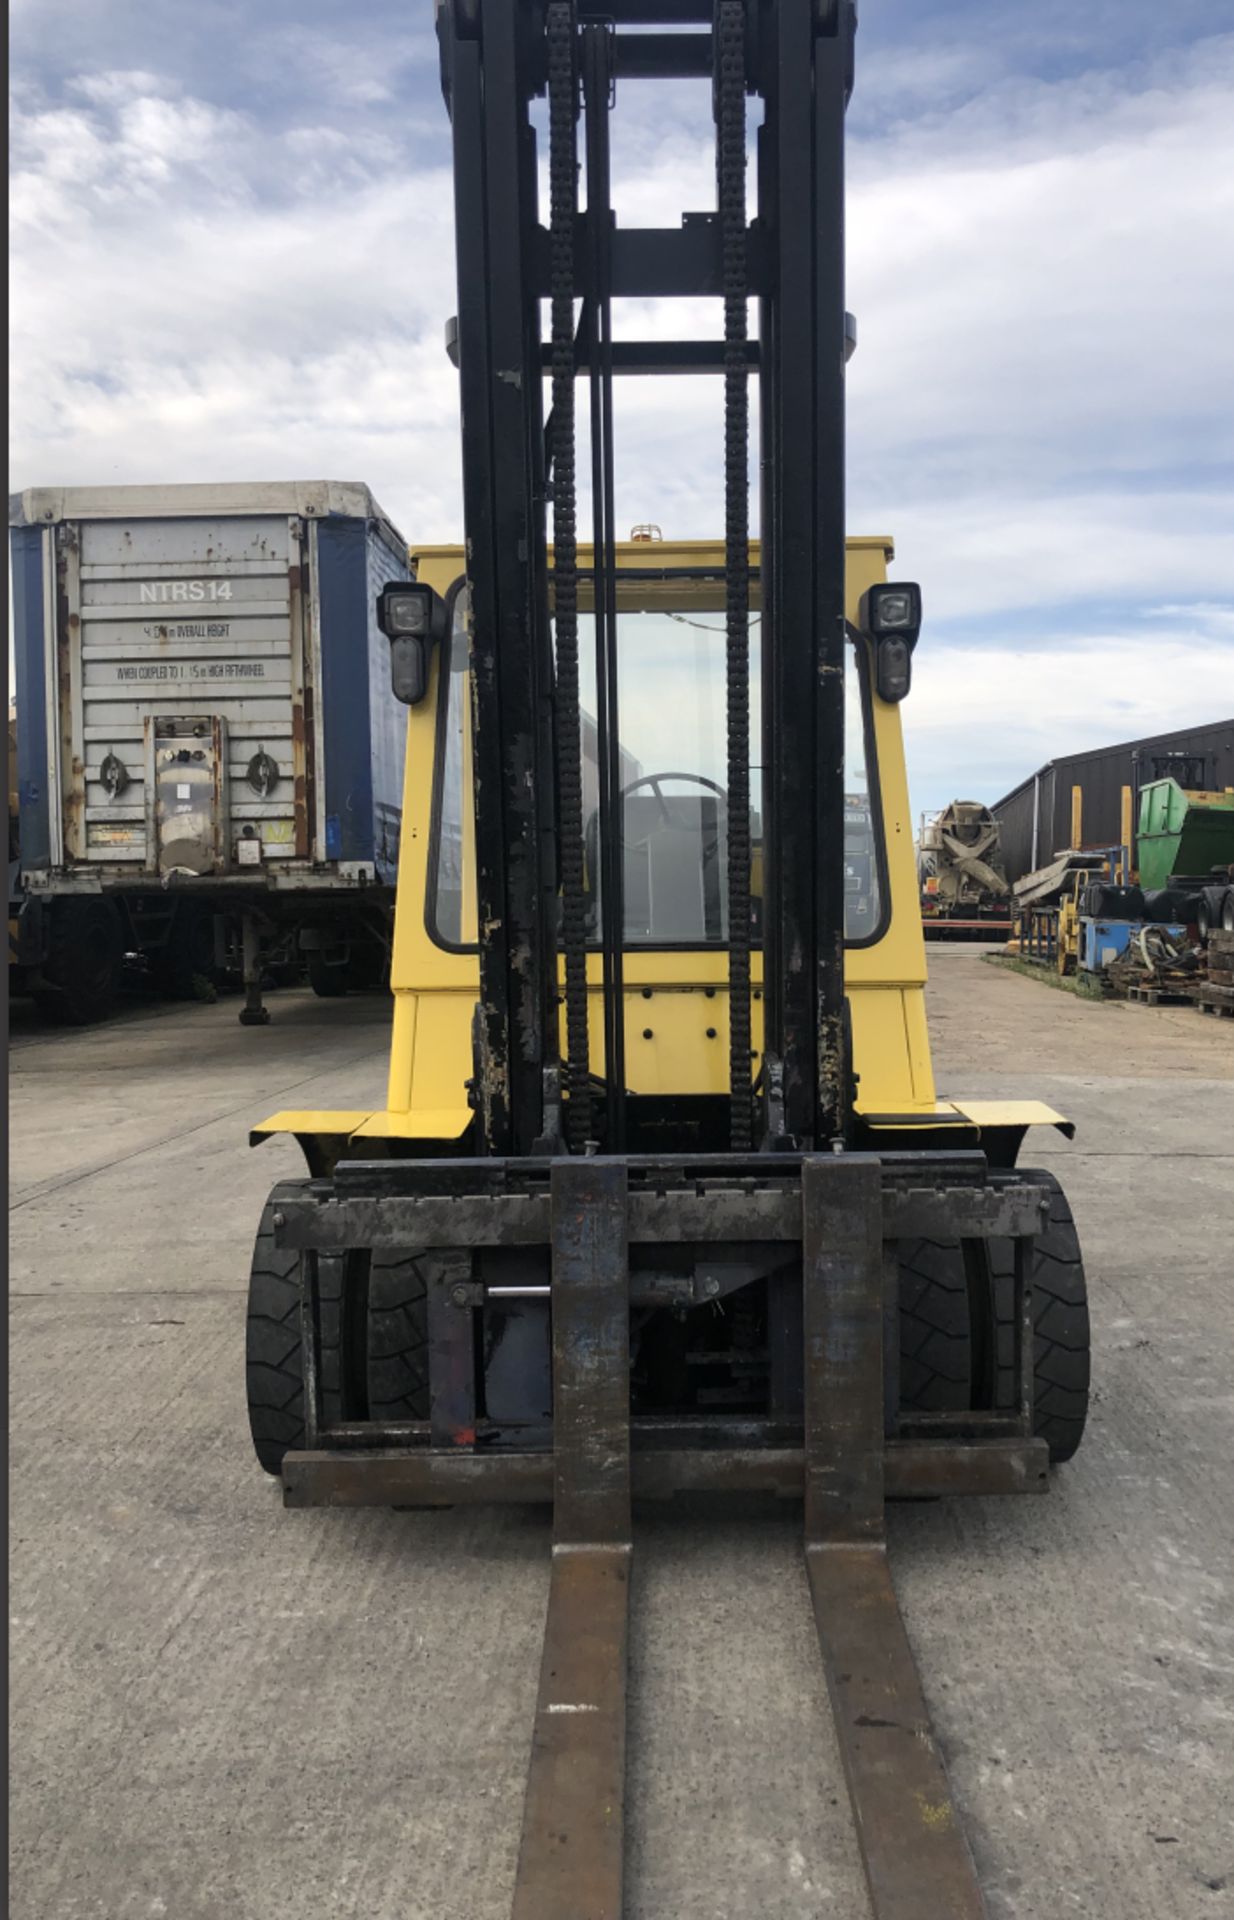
964 888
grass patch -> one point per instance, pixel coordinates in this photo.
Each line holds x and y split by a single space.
1084 986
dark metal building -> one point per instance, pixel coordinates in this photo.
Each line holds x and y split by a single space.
1035 817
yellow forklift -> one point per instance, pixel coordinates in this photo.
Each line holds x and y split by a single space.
663 1197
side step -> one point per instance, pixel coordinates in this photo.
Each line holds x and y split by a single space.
917 1861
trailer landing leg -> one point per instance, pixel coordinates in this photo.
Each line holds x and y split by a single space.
253 1013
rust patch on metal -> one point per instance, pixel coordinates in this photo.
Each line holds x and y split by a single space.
303 804
72 797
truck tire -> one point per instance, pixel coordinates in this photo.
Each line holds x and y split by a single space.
1216 913
382 1351
188 957
1061 1360
936 1345
85 955
368 968
1172 905
327 982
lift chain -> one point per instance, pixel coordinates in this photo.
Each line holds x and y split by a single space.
563 208
731 193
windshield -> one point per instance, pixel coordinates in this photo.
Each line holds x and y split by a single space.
673 764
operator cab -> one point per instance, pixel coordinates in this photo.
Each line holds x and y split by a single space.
673 804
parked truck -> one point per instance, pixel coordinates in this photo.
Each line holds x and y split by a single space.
211 755
960 871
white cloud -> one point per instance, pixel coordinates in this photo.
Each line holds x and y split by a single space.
988 718
1042 276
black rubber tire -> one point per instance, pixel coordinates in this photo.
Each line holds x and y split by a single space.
936 1345
398 1335
1061 1358
369 967
327 982
1171 905
189 954
85 957
1216 913
386 1373
273 1370
947 1365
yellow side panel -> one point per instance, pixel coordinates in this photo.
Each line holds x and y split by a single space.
1012 1113
312 1120
440 1060
427 1123
881 1052
917 1035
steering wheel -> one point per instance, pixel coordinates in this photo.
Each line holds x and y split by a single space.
652 780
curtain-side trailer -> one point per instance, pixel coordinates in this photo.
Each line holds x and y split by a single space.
211 758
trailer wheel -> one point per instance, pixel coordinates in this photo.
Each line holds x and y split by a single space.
85 954
328 982
1060 1312
936 1346
188 957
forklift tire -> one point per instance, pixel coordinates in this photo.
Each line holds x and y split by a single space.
398 1335
936 1346
274 1377
1060 1311
85 956
946 1366
389 1380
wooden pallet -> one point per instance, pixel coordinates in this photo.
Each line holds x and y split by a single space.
1217 1000
1162 996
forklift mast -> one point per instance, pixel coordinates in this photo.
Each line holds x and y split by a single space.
579 1288
498 57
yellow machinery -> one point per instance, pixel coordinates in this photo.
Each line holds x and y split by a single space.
663 1196
675 1003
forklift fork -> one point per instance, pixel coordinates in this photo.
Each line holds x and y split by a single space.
916 1858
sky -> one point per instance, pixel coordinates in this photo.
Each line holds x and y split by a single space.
232 258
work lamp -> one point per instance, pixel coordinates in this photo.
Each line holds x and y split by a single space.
412 617
891 615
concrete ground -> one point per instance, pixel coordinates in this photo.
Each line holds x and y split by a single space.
219 1708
